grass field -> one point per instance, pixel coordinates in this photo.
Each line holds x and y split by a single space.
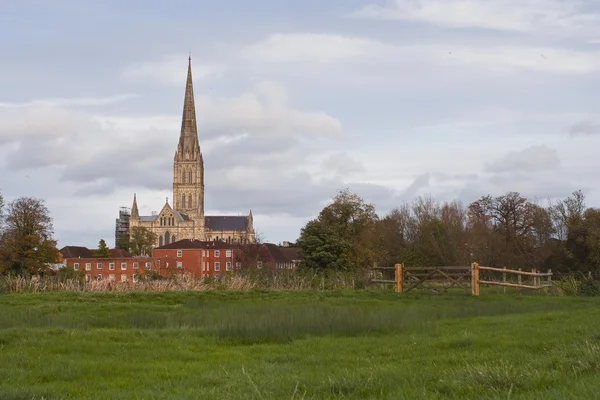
298 345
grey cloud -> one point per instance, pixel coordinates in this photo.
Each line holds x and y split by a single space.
421 181
531 159
584 128
255 150
342 164
292 193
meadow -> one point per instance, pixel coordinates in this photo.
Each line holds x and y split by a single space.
309 344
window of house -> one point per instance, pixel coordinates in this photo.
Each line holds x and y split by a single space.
123 266
259 264
99 266
111 277
227 253
217 266
76 266
135 278
179 253
111 266
179 264
88 278
88 266
217 253
123 278
238 265
135 265
218 276
228 266
148 265
99 277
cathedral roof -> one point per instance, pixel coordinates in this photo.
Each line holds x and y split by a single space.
197 244
226 222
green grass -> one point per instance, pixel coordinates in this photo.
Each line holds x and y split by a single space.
295 345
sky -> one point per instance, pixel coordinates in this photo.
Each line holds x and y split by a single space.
393 99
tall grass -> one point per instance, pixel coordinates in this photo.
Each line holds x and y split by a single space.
251 280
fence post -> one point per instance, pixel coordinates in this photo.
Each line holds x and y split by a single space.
504 280
519 277
550 277
399 278
535 279
475 279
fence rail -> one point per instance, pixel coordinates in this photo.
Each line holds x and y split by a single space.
443 278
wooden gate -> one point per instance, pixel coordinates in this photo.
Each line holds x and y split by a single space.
436 279
466 278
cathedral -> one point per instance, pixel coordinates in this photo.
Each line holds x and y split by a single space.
185 218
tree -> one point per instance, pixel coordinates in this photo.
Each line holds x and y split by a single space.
141 241
26 245
123 243
344 235
103 251
321 247
1 210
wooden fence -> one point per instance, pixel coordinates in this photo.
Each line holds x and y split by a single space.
466 278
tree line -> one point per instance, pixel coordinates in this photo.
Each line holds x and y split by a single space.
348 234
507 230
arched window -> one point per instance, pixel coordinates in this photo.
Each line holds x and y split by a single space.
167 238
190 177
183 200
160 241
173 239
183 177
190 203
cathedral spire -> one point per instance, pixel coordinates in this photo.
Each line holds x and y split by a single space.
134 209
188 139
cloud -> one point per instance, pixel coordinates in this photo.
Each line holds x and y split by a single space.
342 164
73 102
584 128
102 153
531 159
265 109
171 70
314 48
505 15
317 49
421 181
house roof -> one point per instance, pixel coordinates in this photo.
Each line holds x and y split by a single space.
118 253
291 253
282 254
75 252
84 252
226 222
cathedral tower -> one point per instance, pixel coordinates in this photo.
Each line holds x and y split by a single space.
188 166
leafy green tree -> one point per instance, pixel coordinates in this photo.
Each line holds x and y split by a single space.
322 247
26 244
123 243
102 251
141 241
345 235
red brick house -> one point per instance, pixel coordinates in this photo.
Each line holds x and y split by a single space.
128 269
213 259
203 259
